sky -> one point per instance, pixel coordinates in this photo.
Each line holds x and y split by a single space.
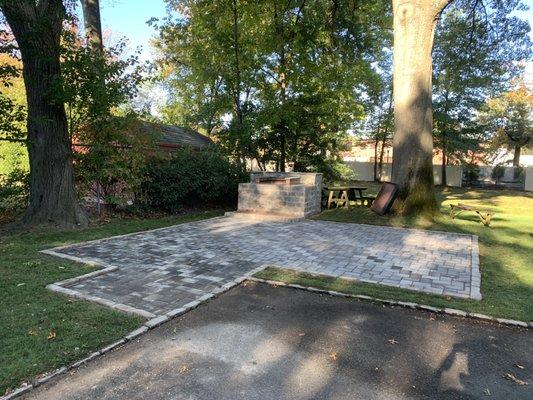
127 18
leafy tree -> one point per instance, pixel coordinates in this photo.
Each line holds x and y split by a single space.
111 144
478 51
509 119
278 81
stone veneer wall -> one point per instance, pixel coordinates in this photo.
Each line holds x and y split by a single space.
299 200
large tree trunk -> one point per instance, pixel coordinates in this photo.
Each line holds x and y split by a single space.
93 24
412 169
52 193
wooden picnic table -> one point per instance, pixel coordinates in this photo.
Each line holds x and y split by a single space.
346 194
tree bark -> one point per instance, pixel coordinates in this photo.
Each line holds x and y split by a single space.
381 154
444 179
376 142
93 24
412 169
516 156
52 193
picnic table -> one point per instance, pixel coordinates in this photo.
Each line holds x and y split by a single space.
342 195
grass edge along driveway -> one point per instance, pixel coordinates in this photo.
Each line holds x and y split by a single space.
41 330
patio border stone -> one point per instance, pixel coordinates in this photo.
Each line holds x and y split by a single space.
448 311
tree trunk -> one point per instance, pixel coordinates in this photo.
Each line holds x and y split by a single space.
283 150
93 24
381 154
412 169
444 180
516 157
52 193
516 161
376 142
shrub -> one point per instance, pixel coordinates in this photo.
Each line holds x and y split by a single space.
111 166
498 172
471 172
191 178
14 191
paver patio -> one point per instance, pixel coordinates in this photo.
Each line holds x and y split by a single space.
164 269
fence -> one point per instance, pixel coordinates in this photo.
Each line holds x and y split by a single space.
365 172
529 179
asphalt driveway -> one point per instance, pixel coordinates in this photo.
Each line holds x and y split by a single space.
262 342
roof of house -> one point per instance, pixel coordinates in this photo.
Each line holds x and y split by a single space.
176 136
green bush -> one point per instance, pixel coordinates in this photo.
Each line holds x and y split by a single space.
471 173
191 178
14 191
498 172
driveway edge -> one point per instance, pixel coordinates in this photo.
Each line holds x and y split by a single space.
449 311
149 325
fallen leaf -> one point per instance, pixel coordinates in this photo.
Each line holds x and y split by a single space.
519 366
20 284
31 332
333 356
301 334
183 369
513 378
51 335
393 341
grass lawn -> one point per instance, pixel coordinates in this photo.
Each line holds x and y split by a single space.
506 252
41 330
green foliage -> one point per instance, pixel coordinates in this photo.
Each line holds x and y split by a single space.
14 191
498 172
508 118
479 48
191 178
96 84
110 151
111 165
12 99
275 82
471 173
13 155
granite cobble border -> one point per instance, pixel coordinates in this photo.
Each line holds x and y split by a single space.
448 311
148 325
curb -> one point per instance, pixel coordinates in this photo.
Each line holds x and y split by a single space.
448 311
148 325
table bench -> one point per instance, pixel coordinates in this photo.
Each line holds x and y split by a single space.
344 196
484 216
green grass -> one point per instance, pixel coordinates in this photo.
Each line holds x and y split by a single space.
29 312
506 249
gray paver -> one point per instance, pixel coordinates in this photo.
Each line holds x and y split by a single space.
165 269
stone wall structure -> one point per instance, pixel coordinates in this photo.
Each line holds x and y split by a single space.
287 194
